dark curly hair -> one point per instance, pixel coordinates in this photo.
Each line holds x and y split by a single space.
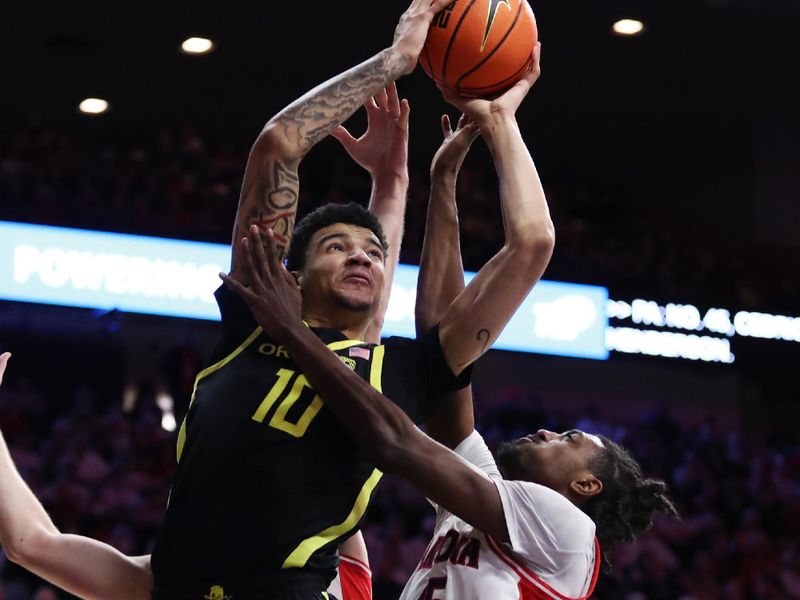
626 506
329 214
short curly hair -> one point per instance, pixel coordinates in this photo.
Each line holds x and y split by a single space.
349 213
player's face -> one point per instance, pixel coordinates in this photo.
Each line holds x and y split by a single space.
344 269
555 460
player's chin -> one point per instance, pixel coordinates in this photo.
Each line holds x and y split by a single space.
357 300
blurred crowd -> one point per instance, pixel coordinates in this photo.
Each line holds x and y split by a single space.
178 184
102 468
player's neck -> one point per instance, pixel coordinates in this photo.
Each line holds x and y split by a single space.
352 325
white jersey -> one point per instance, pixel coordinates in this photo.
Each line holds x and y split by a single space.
552 553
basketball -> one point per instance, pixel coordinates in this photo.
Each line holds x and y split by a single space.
480 47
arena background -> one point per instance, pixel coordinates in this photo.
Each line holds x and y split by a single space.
672 166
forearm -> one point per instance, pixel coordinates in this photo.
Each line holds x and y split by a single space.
20 511
441 275
89 569
477 317
271 186
373 422
391 440
388 203
82 566
526 217
312 117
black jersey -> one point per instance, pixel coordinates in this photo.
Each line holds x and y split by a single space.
268 484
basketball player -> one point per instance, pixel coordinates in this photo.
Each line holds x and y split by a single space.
255 508
268 484
533 531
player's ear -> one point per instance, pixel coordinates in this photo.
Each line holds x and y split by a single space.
586 486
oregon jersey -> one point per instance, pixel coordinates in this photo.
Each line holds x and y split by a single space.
268 484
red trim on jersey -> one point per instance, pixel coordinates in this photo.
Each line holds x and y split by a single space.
355 578
528 575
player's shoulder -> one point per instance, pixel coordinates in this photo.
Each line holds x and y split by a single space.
552 511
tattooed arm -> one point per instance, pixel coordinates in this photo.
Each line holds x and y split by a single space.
479 313
271 187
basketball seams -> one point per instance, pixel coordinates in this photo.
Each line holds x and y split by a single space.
490 89
452 40
494 50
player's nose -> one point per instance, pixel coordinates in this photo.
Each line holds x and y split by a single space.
546 435
359 256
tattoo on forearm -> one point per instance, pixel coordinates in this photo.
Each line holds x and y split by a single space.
270 201
315 115
483 336
283 192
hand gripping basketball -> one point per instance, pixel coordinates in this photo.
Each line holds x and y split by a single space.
412 29
480 110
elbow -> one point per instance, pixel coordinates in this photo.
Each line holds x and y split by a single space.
391 452
533 243
273 142
26 549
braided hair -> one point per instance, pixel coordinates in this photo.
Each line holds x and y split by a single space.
626 506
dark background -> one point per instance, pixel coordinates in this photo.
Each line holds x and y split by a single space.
686 137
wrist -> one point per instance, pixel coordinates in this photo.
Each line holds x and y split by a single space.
400 61
390 176
495 119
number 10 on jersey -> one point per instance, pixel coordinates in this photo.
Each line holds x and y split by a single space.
296 383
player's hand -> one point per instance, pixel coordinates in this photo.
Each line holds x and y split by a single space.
3 362
454 148
383 149
412 29
272 294
481 110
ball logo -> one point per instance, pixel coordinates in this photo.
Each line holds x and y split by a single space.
494 6
565 318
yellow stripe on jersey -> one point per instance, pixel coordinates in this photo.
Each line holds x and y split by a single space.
205 373
376 368
325 595
342 344
300 555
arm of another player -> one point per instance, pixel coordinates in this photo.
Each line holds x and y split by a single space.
376 424
441 274
79 565
383 152
270 189
353 578
477 317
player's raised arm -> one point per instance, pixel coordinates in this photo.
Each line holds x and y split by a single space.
79 565
477 317
383 152
441 274
270 189
376 424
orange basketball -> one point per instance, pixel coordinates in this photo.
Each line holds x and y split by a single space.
480 47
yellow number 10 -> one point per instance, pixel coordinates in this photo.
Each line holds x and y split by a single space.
278 420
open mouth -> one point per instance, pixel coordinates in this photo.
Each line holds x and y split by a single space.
529 439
